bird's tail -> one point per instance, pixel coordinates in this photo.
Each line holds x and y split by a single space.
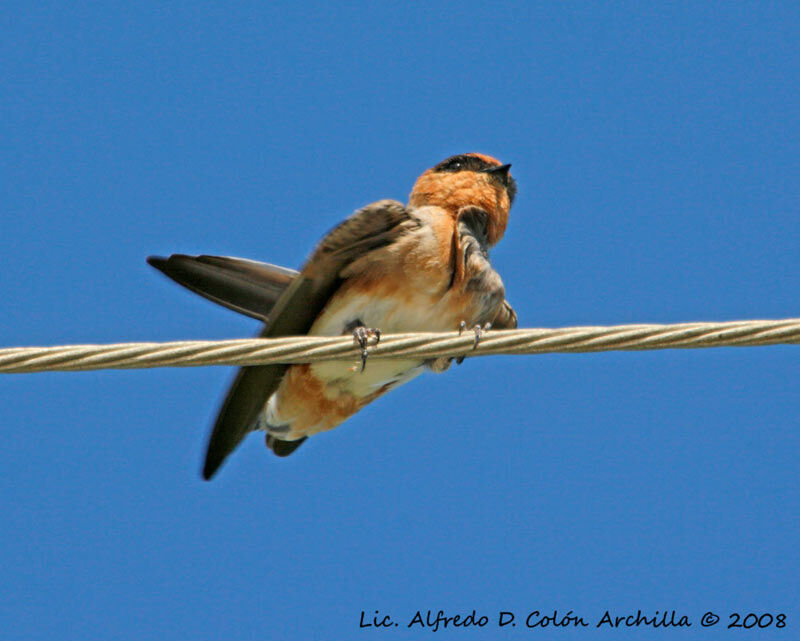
245 286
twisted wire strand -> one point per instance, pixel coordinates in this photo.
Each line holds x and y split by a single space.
421 346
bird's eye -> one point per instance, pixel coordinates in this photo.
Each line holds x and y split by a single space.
455 164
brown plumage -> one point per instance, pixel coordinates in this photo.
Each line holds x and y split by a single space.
423 267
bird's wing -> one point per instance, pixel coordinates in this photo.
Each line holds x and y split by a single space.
506 318
471 228
245 286
295 311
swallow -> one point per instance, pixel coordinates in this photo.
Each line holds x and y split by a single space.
389 267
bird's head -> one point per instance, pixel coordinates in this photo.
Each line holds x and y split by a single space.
469 180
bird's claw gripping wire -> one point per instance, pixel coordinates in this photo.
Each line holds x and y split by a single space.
478 330
361 336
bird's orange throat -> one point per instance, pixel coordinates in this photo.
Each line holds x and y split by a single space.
452 191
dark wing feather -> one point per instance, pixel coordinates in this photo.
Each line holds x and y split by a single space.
473 224
374 226
506 318
245 286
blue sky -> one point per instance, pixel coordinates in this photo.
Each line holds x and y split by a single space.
656 151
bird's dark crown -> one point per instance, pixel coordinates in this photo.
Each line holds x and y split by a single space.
479 163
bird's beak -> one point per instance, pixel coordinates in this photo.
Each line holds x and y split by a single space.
501 172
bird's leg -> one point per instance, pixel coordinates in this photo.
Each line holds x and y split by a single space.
478 330
442 363
361 335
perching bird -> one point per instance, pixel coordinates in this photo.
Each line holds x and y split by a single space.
423 267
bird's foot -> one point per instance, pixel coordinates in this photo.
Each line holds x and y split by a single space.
361 336
478 330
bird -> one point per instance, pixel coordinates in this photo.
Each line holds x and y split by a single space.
388 267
